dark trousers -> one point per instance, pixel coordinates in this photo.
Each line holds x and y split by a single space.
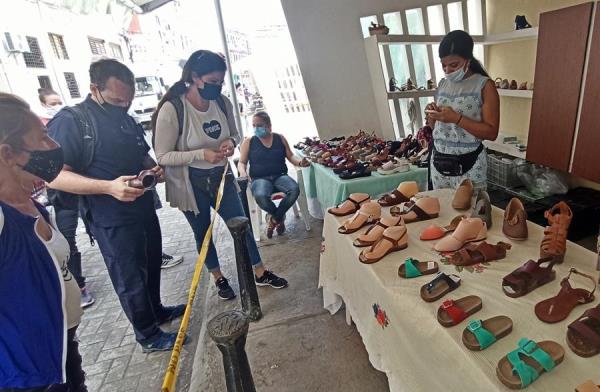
133 255
75 374
67 220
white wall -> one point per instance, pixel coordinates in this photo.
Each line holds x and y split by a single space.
331 53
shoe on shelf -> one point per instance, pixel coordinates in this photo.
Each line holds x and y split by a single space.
513 85
86 298
169 313
162 341
270 279
505 84
225 290
521 22
169 261
430 84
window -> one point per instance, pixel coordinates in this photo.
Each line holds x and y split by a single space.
45 82
292 107
435 15
116 51
287 71
365 22
297 107
282 97
97 45
72 85
34 58
294 94
393 20
291 84
287 110
279 83
284 84
58 46
289 97
455 16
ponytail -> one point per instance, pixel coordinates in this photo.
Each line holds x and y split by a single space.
476 67
175 90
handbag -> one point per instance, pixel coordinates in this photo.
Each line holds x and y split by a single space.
455 165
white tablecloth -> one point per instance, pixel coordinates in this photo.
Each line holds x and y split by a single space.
411 347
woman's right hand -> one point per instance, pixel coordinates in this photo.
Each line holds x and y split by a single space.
431 106
213 156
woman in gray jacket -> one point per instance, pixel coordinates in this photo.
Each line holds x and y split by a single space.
194 155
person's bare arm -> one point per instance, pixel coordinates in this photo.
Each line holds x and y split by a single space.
487 128
69 181
290 155
243 163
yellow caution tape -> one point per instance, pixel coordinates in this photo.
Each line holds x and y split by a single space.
173 369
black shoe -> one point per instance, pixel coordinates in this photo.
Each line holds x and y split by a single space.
168 313
521 22
169 261
270 279
162 341
225 290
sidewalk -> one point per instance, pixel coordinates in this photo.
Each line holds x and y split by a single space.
297 345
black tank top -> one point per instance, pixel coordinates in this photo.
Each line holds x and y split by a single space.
265 162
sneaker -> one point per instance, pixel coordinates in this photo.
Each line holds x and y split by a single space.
169 261
281 227
270 279
225 290
86 298
168 313
270 228
162 341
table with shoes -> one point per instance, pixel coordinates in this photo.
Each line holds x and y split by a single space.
449 297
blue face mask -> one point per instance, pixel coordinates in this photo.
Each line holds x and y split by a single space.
457 75
261 132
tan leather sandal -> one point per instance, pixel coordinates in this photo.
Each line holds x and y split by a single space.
468 230
368 214
463 195
394 239
424 208
350 205
554 243
588 386
374 233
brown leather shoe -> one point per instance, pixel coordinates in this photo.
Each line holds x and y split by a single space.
515 220
463 195
554 243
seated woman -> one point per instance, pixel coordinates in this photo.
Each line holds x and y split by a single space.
266 152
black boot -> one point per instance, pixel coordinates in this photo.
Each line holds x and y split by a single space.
521 22
393 86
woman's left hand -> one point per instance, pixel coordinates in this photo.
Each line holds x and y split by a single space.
227 148
446 115
159 173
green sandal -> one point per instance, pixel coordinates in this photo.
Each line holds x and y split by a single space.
521 367
413 268
479 335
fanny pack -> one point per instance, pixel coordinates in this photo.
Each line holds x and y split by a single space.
455 165
208 181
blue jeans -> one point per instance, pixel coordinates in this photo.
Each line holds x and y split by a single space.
231 207
264 187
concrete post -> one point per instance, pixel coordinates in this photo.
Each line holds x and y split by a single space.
229 330
250 304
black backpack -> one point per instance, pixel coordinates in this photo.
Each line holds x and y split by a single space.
178 105
86 125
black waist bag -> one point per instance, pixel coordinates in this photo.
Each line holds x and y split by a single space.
208 182
455 165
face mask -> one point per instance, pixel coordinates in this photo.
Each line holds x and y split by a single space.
210 91
457 75
45 164
114 111
261 132
52 110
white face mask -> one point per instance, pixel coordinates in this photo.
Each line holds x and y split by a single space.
52 110
457 75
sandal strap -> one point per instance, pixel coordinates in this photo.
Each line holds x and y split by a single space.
565 281
484 337
439 278
589 334
456 313
527 373
411 270
395 196
421 214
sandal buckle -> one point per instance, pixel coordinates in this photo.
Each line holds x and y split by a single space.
447 304
528 346
474 325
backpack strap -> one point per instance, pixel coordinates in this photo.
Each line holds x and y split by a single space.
87 129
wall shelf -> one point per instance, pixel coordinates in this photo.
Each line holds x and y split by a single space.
504 148
511 36
527 94
410 94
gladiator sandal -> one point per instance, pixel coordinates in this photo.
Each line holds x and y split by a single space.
554 243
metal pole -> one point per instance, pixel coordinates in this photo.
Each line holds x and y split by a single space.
229 330
236 106
238 227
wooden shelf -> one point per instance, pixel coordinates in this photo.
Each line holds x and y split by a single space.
493 39
511 36
411 94
527 94
504 148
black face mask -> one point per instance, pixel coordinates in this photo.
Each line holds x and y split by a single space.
210 91
45 164
113 111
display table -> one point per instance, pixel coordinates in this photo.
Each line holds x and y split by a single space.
323 184
406 341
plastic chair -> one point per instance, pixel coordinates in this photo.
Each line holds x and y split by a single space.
256 214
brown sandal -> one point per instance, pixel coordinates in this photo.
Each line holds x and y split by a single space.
583 335
374 233
554 242
394 239
402 194
588 386
368 214
528 277
424 208
558 308
480 253
451 313
351 205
